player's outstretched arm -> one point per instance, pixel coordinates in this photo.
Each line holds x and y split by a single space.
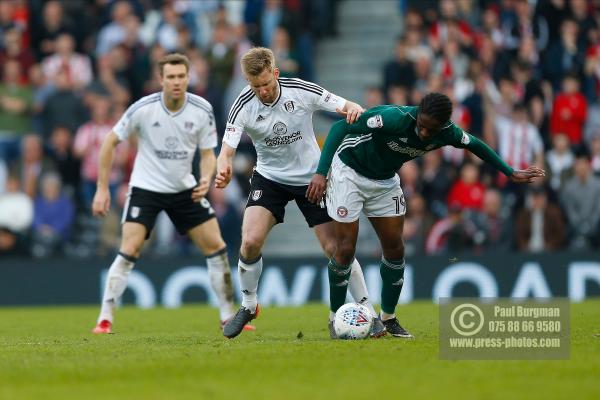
487 154
351 111
101 202
224 166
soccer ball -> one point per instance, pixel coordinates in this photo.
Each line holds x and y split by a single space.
352 321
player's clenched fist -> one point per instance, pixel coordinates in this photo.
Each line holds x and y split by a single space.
316 188
101 203
223 177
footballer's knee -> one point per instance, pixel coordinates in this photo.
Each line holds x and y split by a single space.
130 250
344 253
131 247
394 251
251 247
329 248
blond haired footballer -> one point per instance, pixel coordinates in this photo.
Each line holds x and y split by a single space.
277 113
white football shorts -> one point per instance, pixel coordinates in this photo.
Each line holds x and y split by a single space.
349 193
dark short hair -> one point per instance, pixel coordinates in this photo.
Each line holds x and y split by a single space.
582 151
173 59
438 106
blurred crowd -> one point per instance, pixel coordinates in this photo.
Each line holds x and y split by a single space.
524 76
69 69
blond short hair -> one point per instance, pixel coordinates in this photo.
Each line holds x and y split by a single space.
173 59
256 60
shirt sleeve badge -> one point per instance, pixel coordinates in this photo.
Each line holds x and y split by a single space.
375 121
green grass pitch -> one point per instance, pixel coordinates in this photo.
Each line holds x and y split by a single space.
49 353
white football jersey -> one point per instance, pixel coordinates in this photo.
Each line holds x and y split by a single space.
167 141
282 132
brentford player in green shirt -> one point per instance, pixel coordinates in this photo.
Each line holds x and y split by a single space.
364 158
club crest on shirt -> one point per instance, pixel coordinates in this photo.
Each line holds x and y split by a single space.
134 212
189 125
289 106
256 194
171 142
342 211
279 128
375 121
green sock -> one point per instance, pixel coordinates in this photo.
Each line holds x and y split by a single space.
392 275
338 284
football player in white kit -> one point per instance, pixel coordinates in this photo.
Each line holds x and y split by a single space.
277 115
170 126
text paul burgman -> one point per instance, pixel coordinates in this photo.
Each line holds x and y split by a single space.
526 312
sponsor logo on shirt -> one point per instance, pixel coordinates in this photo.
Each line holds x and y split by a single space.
405 150
375 121
260 118
171 142
281 140
189 125
289 106
279 128
393 145
171 155
156 124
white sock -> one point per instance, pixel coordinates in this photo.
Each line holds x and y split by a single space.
358 287
220 281
116 282
386 316
249 275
